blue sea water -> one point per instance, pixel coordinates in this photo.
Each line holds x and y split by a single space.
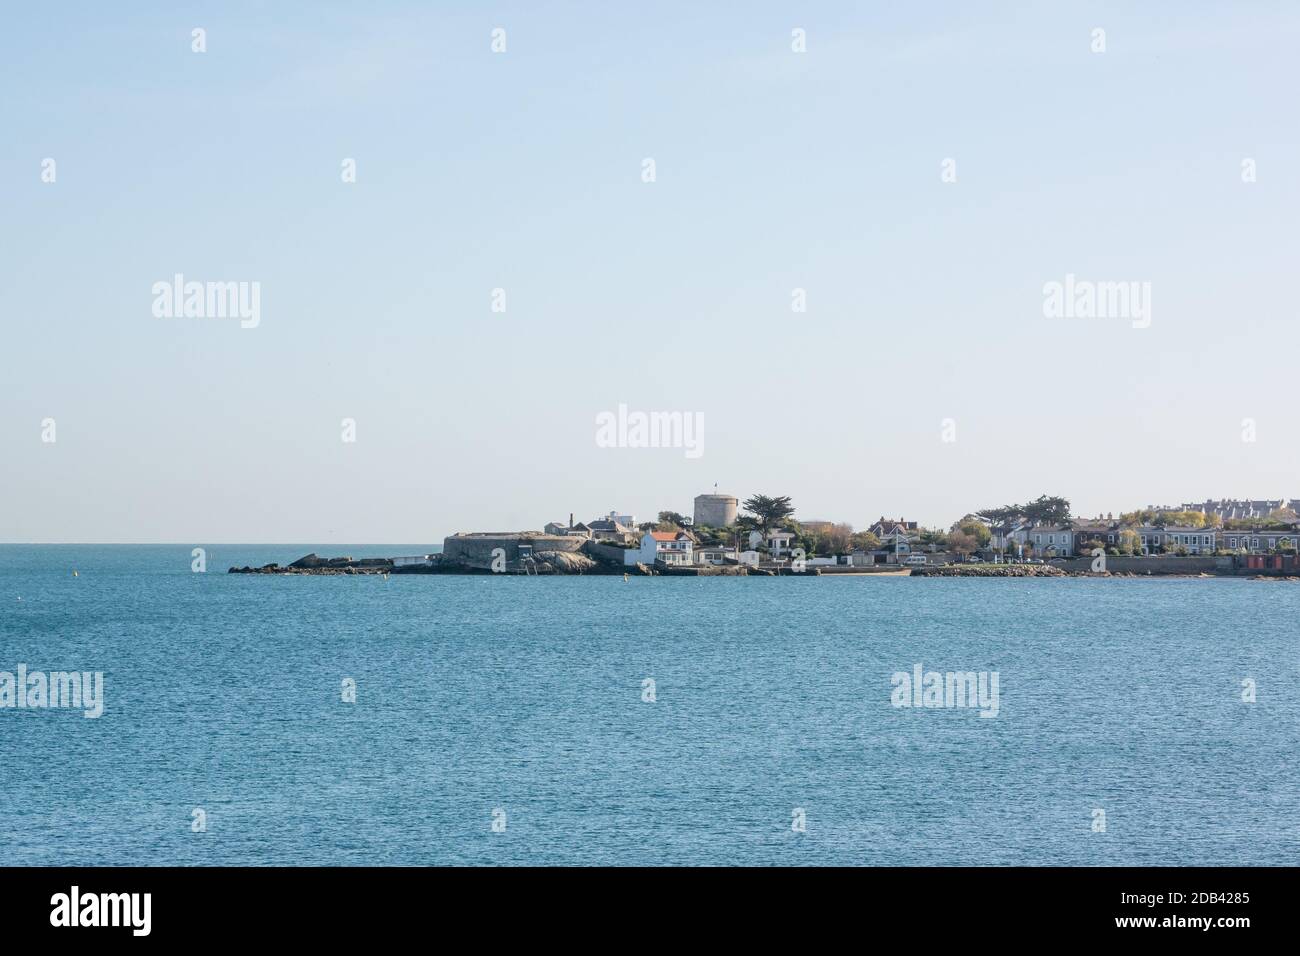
524 695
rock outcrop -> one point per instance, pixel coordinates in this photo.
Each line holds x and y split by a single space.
312 564
562 562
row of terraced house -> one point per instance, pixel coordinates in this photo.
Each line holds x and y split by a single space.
1083 536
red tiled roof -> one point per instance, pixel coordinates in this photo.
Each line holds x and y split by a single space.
664 535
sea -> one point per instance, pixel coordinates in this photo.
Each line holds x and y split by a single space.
497 720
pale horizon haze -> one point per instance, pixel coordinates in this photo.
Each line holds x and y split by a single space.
1171 159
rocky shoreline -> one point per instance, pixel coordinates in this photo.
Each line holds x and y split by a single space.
545 563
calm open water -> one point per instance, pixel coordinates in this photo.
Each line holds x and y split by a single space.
525 695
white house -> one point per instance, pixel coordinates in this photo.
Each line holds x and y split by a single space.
778 542
899 549
413 560
668 547
1008 537
715 554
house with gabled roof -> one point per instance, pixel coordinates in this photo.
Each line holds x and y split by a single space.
664 547
888 528
611 532
1008 536
1103 532
577 530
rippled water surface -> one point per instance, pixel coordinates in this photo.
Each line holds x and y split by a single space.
525 695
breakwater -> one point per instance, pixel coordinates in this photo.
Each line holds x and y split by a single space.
989 571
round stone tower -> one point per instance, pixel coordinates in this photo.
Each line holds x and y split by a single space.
716 511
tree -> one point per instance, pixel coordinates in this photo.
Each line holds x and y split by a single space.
975 528
1047 510
864 541
1043 510
1193 519
961 542
931 537
673 518
839 539
769 512
1129 542
1003 515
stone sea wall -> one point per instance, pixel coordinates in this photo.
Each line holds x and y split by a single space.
475 551
1172 564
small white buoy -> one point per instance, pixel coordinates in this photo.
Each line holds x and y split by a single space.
625 577
74 573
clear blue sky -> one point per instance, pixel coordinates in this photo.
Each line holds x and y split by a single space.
522 170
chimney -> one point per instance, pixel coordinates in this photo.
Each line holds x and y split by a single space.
570 519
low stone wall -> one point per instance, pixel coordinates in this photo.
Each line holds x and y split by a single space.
605 553
705 570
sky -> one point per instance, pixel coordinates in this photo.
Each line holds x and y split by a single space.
921 171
